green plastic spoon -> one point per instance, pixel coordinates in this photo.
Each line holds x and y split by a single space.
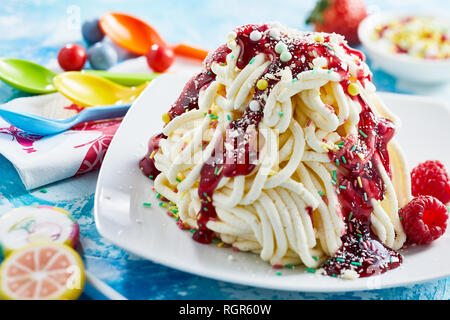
33 78
26 76
125 79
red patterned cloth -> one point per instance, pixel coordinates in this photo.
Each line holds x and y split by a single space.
42 160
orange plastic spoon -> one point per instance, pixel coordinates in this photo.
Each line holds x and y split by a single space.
130 32
189 51
137 36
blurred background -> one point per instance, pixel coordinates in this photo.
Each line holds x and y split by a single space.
36 29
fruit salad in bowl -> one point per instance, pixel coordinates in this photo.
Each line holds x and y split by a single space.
413 47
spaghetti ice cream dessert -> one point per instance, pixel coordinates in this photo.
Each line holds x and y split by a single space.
280 146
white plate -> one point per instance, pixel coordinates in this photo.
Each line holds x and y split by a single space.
152 234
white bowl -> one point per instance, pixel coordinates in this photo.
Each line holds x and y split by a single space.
401 65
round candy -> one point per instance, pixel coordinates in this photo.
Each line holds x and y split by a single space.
254 105
285 56
255 35
102 56
42 271
23 226
160 58
91 31
72 57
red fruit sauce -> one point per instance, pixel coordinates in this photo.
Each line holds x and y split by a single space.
359 242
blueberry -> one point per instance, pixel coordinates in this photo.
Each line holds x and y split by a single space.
91 31
102 56
122 53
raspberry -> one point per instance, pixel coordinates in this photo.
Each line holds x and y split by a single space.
424 219
431 179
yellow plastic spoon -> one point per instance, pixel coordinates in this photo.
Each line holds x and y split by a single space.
88 90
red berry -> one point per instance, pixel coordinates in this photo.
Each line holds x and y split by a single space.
160 58
340 16
431 179
72 57
424 219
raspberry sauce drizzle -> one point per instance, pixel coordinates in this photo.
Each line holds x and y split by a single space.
147 164
361 180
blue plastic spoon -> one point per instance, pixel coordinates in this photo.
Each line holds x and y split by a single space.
44 126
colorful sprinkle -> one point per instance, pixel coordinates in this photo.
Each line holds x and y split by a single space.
319 38
255 35
147 204
311 270
359 182
43 190
166 118
285 56
353 89
363 133
262 84
280 47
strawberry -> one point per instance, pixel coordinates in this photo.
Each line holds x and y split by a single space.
339 16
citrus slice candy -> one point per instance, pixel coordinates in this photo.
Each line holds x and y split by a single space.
23 226
42 271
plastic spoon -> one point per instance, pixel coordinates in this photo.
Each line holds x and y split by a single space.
88 90
137 36
26 76
33 78
126 79
44 126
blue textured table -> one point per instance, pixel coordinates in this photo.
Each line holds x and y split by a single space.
35 30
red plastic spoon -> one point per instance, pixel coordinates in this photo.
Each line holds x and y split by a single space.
137 36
